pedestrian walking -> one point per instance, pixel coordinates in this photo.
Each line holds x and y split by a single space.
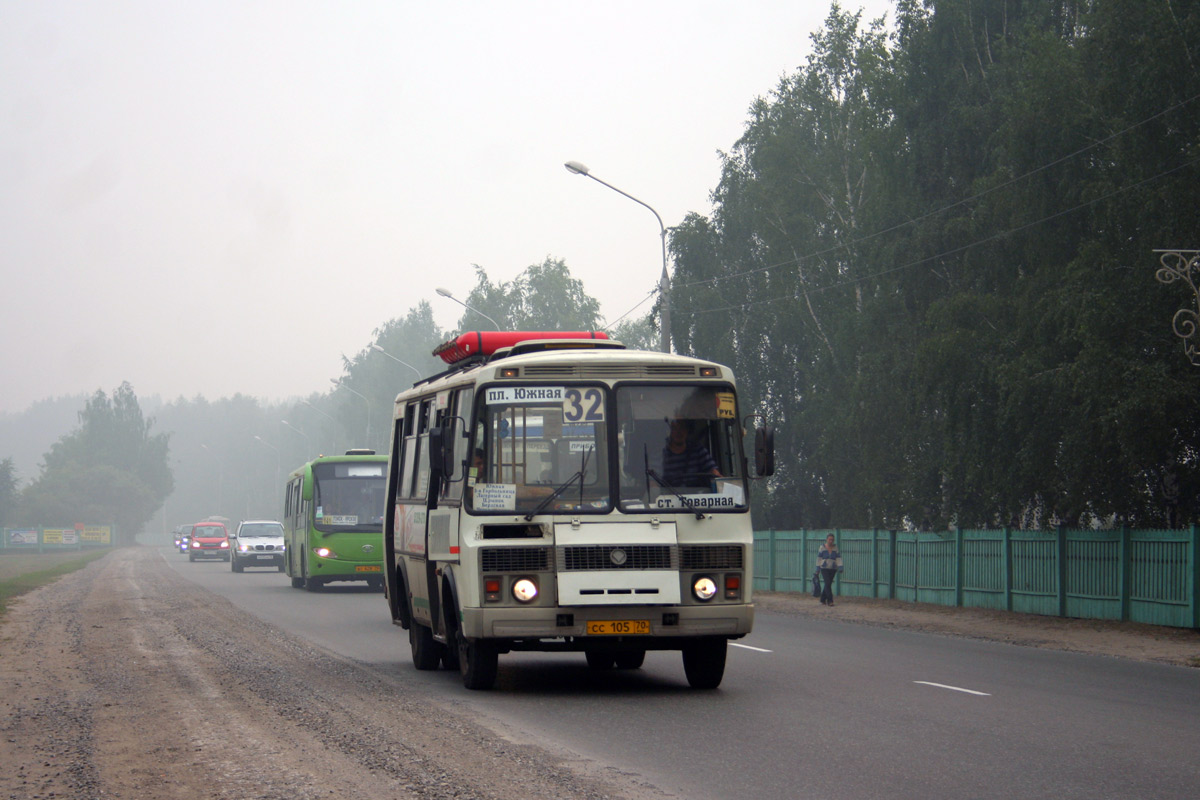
829 562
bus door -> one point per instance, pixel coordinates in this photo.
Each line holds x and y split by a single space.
450 412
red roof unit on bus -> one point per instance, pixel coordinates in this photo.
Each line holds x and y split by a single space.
485 343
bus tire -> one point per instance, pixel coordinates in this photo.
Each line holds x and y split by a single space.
477 661
629 659
704 663
597 659
313 584
297 582
426 652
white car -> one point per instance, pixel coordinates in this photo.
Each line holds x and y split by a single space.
257 543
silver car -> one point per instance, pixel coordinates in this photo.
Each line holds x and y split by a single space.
257 543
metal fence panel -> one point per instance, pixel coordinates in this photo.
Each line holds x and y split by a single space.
1144 576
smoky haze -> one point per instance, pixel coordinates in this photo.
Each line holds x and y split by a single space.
207 199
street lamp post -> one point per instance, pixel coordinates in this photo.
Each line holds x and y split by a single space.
446 293
664 282
379 349
307 443
337 382
333 442
265 443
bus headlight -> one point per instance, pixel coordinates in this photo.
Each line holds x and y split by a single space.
704 589
525 590
324 552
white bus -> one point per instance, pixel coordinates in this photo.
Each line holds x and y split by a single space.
557 492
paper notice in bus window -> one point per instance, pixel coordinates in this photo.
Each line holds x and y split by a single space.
726 407
495 496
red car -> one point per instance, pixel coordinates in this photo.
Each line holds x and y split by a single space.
209 540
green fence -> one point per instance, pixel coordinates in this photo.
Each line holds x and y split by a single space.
1147 576
46 539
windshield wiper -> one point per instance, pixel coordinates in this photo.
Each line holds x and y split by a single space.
688 504
578 476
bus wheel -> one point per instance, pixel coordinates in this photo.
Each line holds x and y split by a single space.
426 652
704 663
630 659
297 582
313 584
599 660
477 661
450 650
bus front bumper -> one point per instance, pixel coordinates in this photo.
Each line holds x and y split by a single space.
667 626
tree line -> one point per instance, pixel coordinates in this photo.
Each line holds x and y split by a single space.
931 260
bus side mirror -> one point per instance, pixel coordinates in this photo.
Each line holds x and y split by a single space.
764 451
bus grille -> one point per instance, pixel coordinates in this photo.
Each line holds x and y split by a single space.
601 556
515 559
711 556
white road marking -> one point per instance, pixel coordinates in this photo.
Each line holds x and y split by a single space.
954 688
748 647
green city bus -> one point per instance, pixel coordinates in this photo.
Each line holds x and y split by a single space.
333 520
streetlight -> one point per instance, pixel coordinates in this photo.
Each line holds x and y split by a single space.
379 349
664 282
265 443
337 382
307 443
331 419
446 293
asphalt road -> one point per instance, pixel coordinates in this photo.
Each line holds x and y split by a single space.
808 708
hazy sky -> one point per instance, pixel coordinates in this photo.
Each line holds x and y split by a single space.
220 197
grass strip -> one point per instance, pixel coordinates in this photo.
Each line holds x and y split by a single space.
15 585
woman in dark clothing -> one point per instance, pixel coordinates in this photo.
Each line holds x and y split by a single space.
829 562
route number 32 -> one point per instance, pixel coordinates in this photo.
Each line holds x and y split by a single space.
583 405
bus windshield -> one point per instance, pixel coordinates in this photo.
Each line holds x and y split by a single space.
679 447
540 448
349 496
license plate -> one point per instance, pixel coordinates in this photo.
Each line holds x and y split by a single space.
369 569
265 558
620 627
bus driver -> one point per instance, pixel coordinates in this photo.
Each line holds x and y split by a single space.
686 461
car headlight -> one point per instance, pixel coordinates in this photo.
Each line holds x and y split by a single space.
225 544
525 590
195 543
705 589
243 548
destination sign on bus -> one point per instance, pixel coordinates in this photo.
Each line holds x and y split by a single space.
526 394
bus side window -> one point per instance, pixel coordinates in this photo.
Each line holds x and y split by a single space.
405 489
460 416
421 462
